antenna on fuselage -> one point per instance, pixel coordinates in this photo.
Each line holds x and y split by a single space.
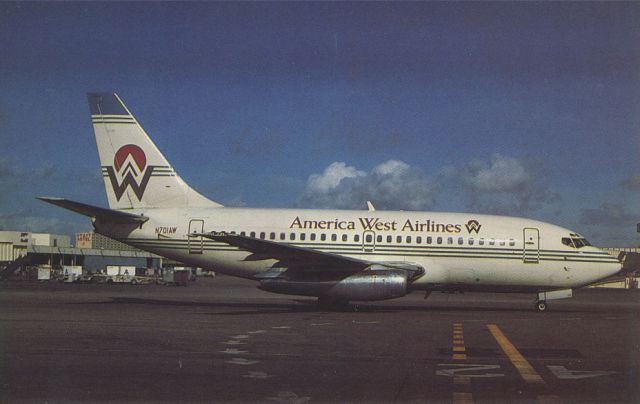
371 207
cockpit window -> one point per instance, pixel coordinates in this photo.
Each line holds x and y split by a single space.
575 241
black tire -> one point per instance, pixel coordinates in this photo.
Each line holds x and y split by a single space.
541 306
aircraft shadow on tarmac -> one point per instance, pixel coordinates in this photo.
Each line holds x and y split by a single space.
311 306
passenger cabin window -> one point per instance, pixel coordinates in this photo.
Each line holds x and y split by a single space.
439 240
399 239
502 242
313 236
481 241
389 239
323 237
450 240
262 235
243 233
512 242
272 236
252 234
282 236
419 240
429 240
378 239
471 241
344 237
292 236
460 240
368 238
492 242
334 237
303 236
408 239
356 238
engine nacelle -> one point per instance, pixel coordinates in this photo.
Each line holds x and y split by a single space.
371 285
368 285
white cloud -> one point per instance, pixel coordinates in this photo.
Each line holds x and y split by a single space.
504 174
332 177
608 214
501 185
392 184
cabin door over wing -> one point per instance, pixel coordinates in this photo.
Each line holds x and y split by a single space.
368 241
531 246
195 242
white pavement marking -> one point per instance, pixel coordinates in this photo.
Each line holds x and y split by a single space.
242 361
320 324
257 375
456 369
234 342
562 372
233 351
257 332
289 397
242 336
281 327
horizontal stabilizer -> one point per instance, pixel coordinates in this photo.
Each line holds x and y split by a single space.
103 214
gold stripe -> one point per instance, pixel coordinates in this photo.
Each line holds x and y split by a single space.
459 356
525 369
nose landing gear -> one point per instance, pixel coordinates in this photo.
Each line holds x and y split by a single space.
541 306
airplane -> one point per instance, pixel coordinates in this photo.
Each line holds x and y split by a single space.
338 256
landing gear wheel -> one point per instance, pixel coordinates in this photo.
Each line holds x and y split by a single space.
541 306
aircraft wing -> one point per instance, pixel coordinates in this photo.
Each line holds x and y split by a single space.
302 259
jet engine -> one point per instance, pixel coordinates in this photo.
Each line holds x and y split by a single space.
362 286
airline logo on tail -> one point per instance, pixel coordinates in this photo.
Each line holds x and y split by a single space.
129 170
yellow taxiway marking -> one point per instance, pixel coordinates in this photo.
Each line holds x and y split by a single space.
461 382
458 343
462 398
549 399
523 366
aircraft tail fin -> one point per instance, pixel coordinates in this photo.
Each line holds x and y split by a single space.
136 174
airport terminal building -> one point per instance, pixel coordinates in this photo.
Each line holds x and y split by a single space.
92 251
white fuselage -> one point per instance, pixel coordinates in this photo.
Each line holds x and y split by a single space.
457 250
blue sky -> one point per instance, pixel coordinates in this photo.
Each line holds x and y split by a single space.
526 109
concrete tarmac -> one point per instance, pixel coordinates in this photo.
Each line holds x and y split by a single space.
222 340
